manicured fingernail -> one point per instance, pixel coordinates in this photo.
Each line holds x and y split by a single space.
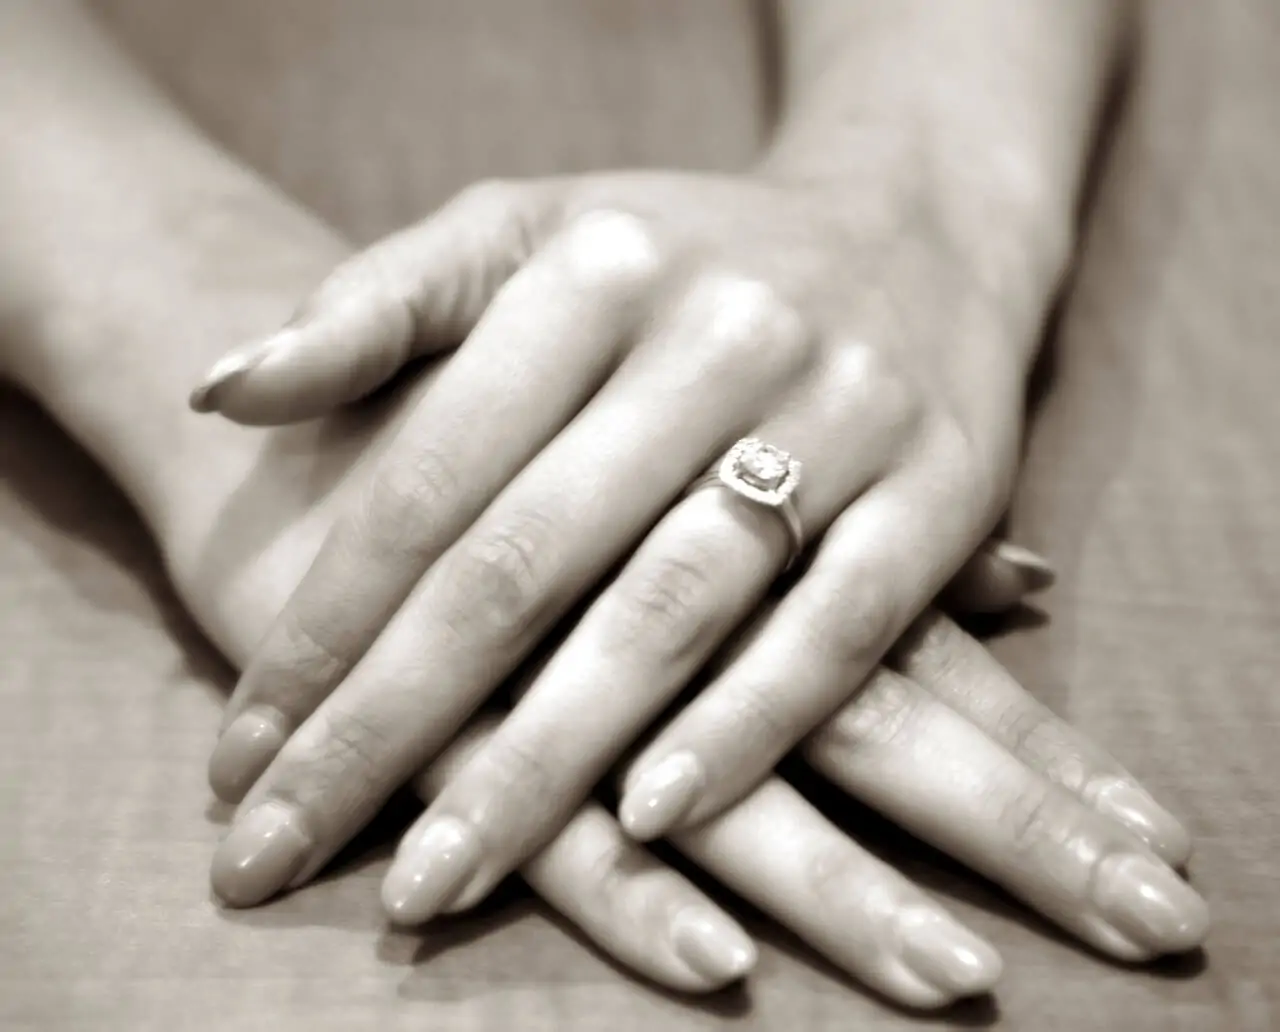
232 368
263 852
244 751
1123 801
712 945
223 376
430 870
1150 904
662 796
1037 572
947 955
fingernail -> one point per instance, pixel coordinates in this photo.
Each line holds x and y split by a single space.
1128 803
662 796
244 751
712 945
224 374
430 870
1150 904
228 371
1037 572
946 954
262 853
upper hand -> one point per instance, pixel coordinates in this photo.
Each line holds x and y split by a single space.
633 327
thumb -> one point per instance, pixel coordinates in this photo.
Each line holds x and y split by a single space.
415 293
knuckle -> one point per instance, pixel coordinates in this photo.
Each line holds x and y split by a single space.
1034 817
1069 770
835 872
606 865
1052 829
931 649
605 248
308 656
877 717
379 278
856 623
747 320
523 776
760 714
497 582
666 606
351 745
1022 730
489 196
876 383
402 498
955 447
977 477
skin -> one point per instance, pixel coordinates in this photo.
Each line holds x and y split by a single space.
91 291
868 298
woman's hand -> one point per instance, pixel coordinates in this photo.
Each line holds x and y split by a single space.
622 331
1025 803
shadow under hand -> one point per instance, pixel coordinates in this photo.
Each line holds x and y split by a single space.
74 501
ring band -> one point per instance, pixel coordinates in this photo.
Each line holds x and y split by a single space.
764 475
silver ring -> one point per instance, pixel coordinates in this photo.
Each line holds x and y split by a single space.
764 475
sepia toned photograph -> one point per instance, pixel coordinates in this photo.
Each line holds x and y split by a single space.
639 515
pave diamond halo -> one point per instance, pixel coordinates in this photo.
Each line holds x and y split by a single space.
760 472
762 475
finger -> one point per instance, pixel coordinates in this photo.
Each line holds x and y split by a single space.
996 578
536 356
558 527
959 671
901 751
779 853
413 293
630 904
880 563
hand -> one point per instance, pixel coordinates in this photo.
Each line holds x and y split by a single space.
773 848
633 327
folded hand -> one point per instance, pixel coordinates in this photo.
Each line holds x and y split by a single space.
632 328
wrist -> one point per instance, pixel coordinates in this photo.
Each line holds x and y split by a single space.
978 117
112 350
1003 225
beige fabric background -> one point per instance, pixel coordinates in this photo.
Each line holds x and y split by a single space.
1153 480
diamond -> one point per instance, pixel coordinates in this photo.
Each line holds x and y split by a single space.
763 466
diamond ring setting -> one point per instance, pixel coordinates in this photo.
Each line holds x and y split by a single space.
764 475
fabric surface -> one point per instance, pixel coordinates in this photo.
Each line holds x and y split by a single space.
1153 481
